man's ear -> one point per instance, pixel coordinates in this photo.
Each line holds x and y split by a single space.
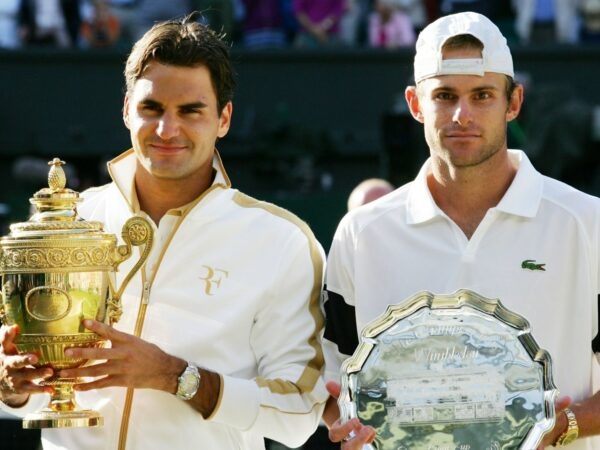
515 102
225 120
412 100
126 111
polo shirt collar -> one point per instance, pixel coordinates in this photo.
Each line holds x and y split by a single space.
522 198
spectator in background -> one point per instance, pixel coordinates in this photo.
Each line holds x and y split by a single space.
389 26
455 6
432 9
126 11
290 23
590 21
9 30
368 190
418 12
352 22
220 15
262 24
319 21
150 12
102 28
72 13
546 21
49 22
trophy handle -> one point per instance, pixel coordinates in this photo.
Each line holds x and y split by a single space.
137 231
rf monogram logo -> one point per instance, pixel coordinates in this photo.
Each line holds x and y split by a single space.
212 279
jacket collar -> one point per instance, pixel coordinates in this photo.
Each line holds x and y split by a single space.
122 171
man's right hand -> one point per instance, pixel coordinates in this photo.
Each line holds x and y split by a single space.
17 374
352 434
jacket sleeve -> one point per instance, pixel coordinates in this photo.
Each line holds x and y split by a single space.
285 401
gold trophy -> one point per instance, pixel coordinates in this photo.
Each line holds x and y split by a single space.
56 270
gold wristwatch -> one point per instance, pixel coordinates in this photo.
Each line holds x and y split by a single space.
572 431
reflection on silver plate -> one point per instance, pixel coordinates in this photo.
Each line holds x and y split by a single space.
450 372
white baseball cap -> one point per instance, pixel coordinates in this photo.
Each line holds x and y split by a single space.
495 56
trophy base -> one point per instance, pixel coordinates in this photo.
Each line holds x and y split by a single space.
55 419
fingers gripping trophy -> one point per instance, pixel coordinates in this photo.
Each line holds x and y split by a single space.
56 270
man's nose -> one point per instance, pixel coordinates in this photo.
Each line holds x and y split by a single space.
462 113
168 126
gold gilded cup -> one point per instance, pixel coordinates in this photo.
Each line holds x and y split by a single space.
56 270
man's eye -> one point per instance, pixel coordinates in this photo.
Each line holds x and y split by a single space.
190 111
444 96
151 108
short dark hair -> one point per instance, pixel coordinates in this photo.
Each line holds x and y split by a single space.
186 43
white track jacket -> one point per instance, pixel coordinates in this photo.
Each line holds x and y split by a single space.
233 285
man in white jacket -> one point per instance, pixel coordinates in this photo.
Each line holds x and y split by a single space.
219 343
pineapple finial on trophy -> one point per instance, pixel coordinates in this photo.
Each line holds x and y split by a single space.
55 202
57 180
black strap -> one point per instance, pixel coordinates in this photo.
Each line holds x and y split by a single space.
340 323
596 340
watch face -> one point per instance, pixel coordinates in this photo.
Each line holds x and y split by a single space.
569 438
188 383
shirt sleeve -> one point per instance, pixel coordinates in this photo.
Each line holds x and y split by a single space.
594 245
596 340
35 403
341 334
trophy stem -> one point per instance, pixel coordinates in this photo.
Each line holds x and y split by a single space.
63 399
62 410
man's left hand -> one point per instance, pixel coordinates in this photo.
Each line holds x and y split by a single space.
128 362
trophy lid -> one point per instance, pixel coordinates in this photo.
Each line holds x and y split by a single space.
55 209
57 240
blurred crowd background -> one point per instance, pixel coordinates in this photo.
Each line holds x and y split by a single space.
259 24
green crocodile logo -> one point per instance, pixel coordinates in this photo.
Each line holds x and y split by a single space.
532 265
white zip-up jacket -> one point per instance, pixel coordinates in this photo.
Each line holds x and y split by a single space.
232 285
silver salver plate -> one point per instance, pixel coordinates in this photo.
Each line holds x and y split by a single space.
450 372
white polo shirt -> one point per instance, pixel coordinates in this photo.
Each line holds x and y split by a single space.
401 244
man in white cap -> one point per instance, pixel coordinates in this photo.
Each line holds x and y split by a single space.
478 216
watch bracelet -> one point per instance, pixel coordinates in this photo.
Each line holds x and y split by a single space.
572 431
